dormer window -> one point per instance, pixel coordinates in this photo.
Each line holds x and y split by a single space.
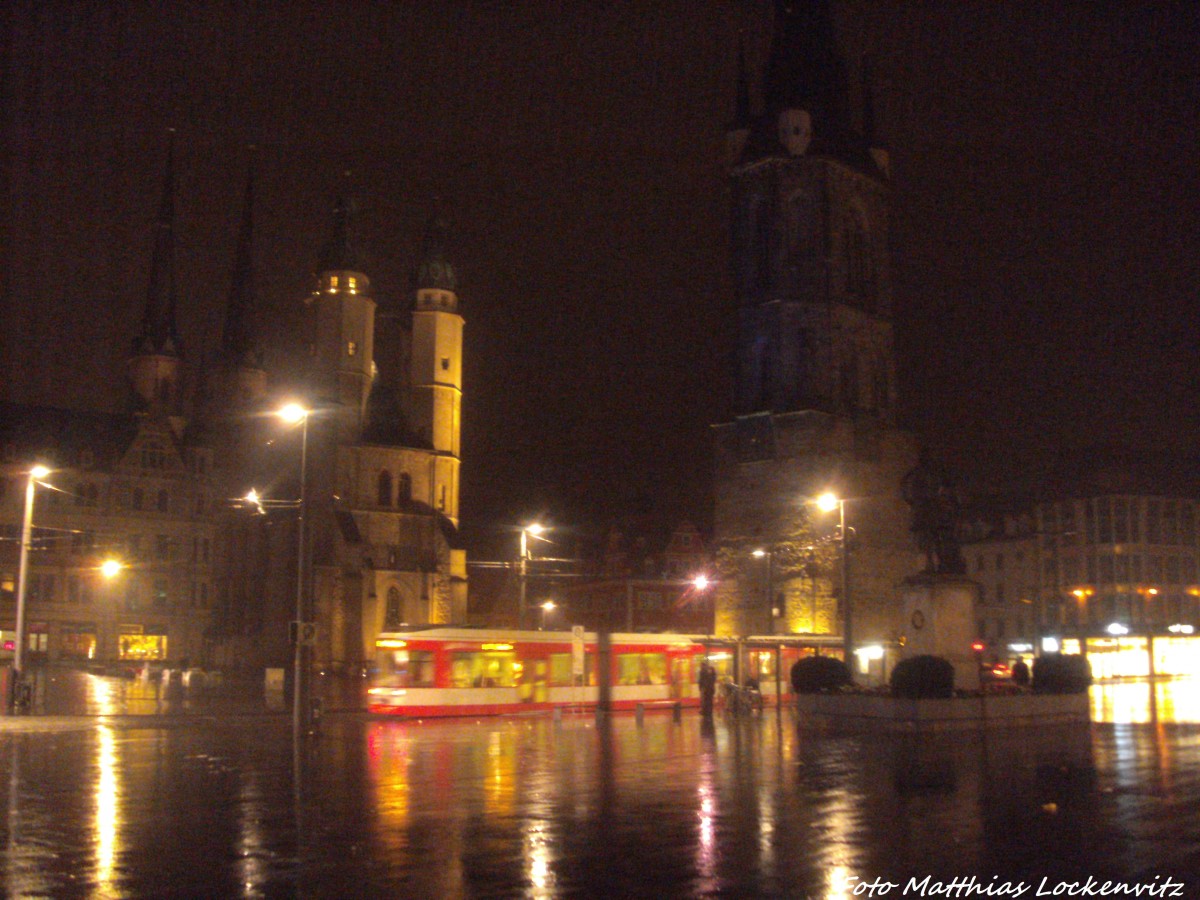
352 284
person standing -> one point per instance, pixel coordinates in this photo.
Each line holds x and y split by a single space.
708 687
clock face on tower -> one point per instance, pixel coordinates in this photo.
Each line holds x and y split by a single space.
795 130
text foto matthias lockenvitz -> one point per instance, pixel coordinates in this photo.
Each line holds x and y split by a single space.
974 886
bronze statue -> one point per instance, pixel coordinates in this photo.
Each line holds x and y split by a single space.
932 494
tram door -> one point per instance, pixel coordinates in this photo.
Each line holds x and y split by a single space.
541 692
681 677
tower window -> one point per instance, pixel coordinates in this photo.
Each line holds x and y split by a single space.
445 363
351 348
385 488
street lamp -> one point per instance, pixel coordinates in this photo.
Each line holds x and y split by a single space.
548 606
828 502
36 473
533 529
294 414
770 558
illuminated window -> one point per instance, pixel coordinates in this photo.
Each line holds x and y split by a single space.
352 284
333 282
351 348
392 613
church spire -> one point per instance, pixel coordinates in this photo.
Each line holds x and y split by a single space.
434 271
805 77
159 335
738 132
238 344
339 253
156 361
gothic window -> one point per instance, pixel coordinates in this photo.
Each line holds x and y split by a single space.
404 487
391 616
859 271
385 488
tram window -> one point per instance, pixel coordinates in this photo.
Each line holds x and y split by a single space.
562 670
642 668
481 670
410 668
762 664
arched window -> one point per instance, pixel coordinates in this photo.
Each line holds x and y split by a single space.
385 488
391 615
404 488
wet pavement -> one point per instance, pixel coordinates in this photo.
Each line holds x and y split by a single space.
149 795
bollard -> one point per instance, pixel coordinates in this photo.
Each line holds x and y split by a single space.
641 714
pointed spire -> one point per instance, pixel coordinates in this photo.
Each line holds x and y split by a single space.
805 70
339 253
434 271
238 345
159 335
741 114
868 101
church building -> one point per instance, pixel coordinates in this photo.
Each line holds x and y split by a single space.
815 406
371 469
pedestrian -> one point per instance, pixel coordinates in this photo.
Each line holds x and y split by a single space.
1020 673
708 687
796 675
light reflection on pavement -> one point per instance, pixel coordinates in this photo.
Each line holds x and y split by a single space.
196 796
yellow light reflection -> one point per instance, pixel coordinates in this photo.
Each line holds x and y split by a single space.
107 810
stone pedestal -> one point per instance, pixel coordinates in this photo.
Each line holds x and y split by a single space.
939 620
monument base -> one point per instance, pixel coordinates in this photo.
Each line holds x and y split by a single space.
939 620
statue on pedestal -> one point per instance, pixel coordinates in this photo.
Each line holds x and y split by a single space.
933 496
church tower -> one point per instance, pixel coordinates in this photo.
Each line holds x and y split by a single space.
815 380
809 237
156 360
436 368
343 329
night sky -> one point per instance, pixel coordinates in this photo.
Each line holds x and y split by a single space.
1044 230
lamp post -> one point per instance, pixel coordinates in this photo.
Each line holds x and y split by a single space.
829 502
35 473
547 607
534 529
295 414
770 558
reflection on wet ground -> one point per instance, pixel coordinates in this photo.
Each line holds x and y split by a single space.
208 803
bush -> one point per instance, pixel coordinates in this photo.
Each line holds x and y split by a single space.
921 677
1059 674
814 674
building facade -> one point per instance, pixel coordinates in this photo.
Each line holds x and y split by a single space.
815 404
375 461
1109 573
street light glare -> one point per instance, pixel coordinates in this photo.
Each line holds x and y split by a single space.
534 529
827 502
292 413
110 567
39 471
760 553
549 605
701 582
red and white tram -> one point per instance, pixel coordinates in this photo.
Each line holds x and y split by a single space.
447 671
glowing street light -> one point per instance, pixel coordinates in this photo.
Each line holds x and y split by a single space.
770 558
828 502
35 474
547 607
295 414
535 530
110 568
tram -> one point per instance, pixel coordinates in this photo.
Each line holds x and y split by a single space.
459 671
446 671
